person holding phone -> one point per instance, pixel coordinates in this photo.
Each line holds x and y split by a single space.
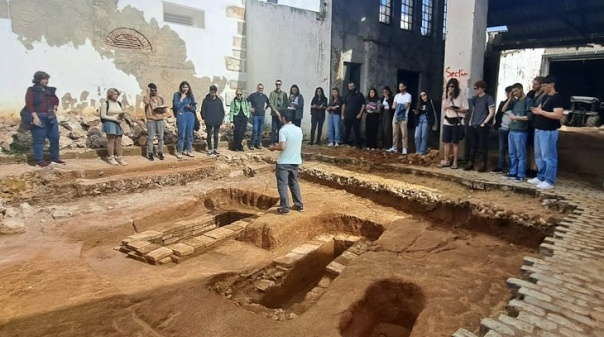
155 112
455 107
334 109
184 103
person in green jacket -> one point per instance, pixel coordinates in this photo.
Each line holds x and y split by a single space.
239 116
278 101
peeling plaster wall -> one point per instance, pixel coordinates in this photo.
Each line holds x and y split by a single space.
520 66
289 44
309 5
67 39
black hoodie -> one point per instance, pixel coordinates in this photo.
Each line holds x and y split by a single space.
212 111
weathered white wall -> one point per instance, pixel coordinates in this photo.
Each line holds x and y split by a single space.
465 42
289 44
518 66
311 5
80 69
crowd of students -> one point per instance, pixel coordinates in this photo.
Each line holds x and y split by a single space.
527 127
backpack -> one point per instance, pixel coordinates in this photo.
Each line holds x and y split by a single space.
107 111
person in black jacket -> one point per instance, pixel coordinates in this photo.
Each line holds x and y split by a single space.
318 106
386 115
212 112
424 120
502 133
372 118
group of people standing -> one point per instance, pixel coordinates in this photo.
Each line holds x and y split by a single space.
386 118
525 123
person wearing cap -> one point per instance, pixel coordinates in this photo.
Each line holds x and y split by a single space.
212 112
155 112
290 158
41 103
547 122
111 117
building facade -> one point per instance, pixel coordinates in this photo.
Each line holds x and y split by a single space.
377 43
89 46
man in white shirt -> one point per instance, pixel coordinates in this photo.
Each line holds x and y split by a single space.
402 103
290 145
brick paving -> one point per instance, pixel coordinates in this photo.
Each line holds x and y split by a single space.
562 292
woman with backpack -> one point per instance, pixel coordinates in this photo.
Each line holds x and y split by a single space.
111 117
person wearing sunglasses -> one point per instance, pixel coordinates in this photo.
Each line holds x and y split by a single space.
238 116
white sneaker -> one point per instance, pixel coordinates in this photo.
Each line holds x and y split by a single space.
367 149
404 151
391 150
544 185
121 161
534 181
111 160
337 144
330 144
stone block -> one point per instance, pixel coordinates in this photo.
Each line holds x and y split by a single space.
235 12
138 244
200 242
335 268
57 215
491 324
564 322
236 226
135 256
171 240
181 249
305 249
463 333
541 323
165 260
541 304
352 239
147 235
515 323
233 64
263 285
178 259
147 249
219 234
534 293
159 254
288 260
323 238
10 226
346 258
517 305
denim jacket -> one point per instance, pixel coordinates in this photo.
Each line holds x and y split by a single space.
180 107
400 113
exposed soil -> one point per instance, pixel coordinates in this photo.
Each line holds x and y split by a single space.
64 278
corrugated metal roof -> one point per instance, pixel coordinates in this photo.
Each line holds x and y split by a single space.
585 50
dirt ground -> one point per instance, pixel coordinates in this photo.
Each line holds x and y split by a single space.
64 277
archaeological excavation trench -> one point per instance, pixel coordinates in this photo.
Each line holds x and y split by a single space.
379 256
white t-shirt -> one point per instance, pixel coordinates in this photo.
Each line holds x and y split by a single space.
385 104
292 136
401 98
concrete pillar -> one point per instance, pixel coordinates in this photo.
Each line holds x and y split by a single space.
465 43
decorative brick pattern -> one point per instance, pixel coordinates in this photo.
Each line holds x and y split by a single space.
127 38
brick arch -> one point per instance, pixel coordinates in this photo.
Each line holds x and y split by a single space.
127 38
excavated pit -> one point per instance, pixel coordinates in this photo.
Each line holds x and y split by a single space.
281 267
389 308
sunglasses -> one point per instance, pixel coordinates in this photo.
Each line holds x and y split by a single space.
239 94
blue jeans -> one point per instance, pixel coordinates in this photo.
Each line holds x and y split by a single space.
287 176
421 135
185 123
258 122
49 129
155 128
275 126
546 155
517 145
333 128
503 148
